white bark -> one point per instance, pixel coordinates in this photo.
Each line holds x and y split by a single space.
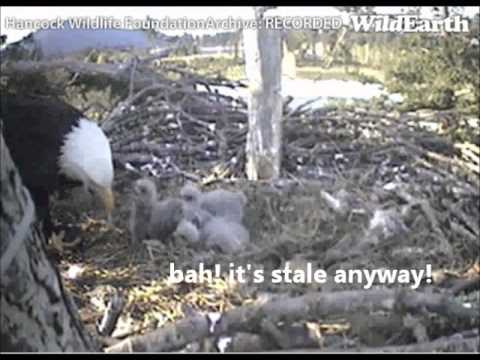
263 68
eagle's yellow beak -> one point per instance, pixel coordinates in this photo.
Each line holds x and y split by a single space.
108 200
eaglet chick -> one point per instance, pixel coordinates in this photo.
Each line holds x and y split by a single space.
219 203
151 218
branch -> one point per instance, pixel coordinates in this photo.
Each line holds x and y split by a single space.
312 306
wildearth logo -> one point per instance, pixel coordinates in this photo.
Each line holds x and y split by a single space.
408 23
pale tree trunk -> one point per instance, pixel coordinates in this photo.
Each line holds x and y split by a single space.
35 314
263 68
314 38
338 42
236 45
289 64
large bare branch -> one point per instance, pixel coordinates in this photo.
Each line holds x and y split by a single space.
309 307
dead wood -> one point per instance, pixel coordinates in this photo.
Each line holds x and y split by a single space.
308 307
110 317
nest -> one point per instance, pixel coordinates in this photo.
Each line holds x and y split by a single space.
360 189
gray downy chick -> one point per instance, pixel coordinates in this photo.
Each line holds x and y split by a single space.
188 231
191 196
195 214
166 216
151 218
219 203
191 193
144 197
223 203
226 235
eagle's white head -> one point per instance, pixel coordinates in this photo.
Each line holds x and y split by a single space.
86 156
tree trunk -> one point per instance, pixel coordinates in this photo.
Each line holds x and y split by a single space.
314 38
263 68
289 64
236 46
338 43
36 314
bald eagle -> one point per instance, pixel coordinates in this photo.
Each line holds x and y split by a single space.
54 146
